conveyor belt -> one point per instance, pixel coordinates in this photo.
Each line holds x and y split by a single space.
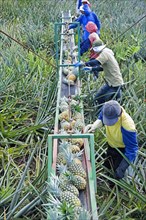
87 196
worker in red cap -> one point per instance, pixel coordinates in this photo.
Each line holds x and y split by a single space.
91 27
121 137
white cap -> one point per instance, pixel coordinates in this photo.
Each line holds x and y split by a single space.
86 1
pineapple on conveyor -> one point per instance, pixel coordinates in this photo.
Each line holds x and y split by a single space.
67 145
78 141
64 115
61 158
78 181
74 168
69 197
64 196
79 124
82 214
65 125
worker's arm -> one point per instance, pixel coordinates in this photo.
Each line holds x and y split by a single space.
96 125
92 127
93 65
72 26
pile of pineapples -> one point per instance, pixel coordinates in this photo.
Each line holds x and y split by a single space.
71 119
70 179
70 72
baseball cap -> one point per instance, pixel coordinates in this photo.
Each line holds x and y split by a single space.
111 111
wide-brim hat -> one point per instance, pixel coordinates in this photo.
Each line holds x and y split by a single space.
111 112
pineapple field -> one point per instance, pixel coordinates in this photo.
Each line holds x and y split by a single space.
30 110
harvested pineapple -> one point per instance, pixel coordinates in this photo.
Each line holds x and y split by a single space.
77 169
64 115
79 124
65 125
66 71
78 141
70 198
71 76
74 148
61 158
78 182
71 188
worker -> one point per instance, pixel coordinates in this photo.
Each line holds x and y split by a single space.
86 15
121 137
93 36
80 3
112 89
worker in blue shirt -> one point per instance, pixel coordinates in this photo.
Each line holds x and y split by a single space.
121 134
86 15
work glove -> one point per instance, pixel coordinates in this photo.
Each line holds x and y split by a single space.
120 171
87 68
92 127
79 64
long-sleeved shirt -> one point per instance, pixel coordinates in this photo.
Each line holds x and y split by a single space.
123 135
83 20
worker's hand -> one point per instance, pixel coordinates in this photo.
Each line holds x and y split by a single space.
79 64
88 128
120 171
87 68
92 127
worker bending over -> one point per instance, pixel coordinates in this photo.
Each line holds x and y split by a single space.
105 61
121 134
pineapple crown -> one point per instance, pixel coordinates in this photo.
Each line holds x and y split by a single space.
53 185
69 156
61 168
64 145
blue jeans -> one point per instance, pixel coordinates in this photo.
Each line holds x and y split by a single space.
106 93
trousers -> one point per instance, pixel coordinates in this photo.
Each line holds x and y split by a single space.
113 158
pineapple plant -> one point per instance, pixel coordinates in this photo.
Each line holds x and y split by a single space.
77 115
